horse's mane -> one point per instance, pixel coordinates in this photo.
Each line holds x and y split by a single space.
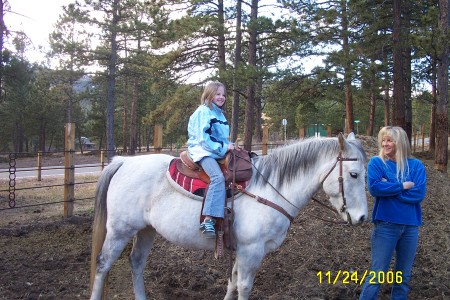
284 164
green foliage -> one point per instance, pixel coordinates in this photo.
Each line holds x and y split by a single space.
422 110
162 45
174 112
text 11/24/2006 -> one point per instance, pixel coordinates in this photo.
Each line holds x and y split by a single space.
349 277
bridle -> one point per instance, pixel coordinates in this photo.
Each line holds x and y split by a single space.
339 160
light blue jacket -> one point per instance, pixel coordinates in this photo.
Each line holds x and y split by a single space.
393 203
208 132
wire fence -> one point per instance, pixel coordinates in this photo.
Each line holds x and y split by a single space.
22 186
25 184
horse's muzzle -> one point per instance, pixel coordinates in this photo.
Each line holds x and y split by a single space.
359 221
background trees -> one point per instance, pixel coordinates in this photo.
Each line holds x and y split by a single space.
310 62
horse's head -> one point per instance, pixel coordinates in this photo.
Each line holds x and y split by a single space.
344 181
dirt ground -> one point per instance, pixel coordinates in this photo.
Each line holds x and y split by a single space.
48 257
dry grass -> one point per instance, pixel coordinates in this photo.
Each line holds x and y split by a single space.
42 199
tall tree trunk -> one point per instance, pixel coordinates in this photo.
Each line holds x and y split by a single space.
42 136
51 142
221 38
398 113
125 116
373 103
2 33
407 65
133 131
347 70
432 144
111 98
372 96
237 62
19 137
441 152
134 141
258 112
250 103
386 92
125 102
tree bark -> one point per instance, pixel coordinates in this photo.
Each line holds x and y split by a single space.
386 92
125 116
432 144
258 112
250 103
441 152
373 103
221 37
407 65
111 98
2 33
347 70
398 113
237 62
133 130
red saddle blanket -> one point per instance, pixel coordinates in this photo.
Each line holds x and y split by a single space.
193 185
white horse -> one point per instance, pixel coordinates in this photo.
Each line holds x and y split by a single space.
134 198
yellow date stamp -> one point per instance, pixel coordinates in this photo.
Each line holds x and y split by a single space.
355 277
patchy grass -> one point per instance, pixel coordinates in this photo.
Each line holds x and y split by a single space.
45 198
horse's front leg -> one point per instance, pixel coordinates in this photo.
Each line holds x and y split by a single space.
142 246
248 261
232 284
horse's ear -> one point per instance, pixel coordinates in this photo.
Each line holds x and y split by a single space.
351 136
341 140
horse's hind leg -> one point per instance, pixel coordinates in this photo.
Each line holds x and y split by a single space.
142 246
111 250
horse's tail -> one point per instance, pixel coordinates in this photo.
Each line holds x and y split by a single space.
100 212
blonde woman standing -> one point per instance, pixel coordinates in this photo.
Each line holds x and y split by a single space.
398 184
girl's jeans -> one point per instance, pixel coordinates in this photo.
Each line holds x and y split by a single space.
215 197
387 237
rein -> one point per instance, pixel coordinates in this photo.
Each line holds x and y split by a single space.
264 201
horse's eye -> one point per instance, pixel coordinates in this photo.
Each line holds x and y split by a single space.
354 175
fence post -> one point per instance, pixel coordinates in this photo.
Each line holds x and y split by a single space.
157 138
69 169
265 139
39 166
102 159
301 132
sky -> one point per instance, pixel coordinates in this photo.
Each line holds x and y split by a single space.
36 18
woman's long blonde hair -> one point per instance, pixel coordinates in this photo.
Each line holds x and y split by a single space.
210 92
402 148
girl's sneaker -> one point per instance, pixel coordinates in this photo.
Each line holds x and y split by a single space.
207 228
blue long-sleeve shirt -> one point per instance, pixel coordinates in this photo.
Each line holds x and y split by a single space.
393 203
208 131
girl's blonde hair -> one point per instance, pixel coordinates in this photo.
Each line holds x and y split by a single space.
402 148
210 92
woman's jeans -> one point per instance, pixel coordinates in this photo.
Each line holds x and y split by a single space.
387 237
215 197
